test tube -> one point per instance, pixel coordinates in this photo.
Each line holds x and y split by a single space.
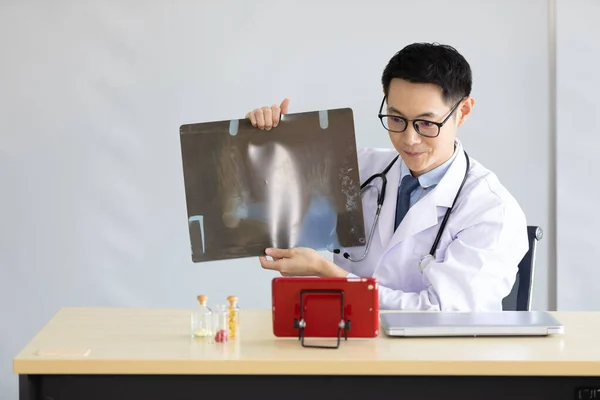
201 318
221 323
234 317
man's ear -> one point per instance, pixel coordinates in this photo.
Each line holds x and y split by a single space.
465 110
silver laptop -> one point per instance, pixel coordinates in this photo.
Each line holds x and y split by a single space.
501 323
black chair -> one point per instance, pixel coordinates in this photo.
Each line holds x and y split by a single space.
519 298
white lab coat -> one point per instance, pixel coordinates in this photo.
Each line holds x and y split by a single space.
476 262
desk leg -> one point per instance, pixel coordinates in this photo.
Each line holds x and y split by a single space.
29 387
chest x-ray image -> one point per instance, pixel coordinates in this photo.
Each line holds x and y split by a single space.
294 186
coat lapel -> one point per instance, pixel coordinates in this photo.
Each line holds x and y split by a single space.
388 210
427 211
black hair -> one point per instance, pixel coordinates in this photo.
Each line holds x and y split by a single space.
431 63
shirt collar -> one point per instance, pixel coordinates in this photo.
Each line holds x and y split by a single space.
434 176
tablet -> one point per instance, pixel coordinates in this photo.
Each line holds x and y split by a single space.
325 307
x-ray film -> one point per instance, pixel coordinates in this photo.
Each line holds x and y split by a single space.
294 186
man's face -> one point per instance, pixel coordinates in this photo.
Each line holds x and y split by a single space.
424 101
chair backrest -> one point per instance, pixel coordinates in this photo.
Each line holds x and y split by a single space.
519 298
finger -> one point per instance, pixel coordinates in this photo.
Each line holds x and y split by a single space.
278 253
268 115
276 114
251 117
268 264
260 118
275 259
284 106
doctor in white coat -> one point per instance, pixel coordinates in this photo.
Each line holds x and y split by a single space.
426 98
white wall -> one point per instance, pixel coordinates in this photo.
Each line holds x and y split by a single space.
578 147
93 206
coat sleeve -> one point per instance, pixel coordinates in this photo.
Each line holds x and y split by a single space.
390 299
478 268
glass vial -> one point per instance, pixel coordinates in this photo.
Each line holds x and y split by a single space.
202 319
221 324
234 317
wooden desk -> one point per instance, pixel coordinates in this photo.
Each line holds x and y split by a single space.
148 354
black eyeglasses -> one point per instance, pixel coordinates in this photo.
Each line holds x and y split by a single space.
396 123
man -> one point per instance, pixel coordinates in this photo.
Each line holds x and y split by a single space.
427 96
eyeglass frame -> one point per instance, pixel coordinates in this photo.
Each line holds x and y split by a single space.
414 121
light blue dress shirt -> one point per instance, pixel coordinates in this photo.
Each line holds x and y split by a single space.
428 180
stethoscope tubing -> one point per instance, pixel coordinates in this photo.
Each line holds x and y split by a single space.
381 198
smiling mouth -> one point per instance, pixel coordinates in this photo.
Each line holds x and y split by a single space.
413 154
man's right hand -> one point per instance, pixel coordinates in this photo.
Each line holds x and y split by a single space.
267 118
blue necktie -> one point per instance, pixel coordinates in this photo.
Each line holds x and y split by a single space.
407 186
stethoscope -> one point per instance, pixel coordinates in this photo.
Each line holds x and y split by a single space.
426 259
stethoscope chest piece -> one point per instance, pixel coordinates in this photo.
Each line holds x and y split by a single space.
425 260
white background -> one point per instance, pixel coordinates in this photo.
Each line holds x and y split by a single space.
578 148
92 95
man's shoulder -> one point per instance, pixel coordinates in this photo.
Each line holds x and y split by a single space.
375 151
371 159
489 204
485 179
486 192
